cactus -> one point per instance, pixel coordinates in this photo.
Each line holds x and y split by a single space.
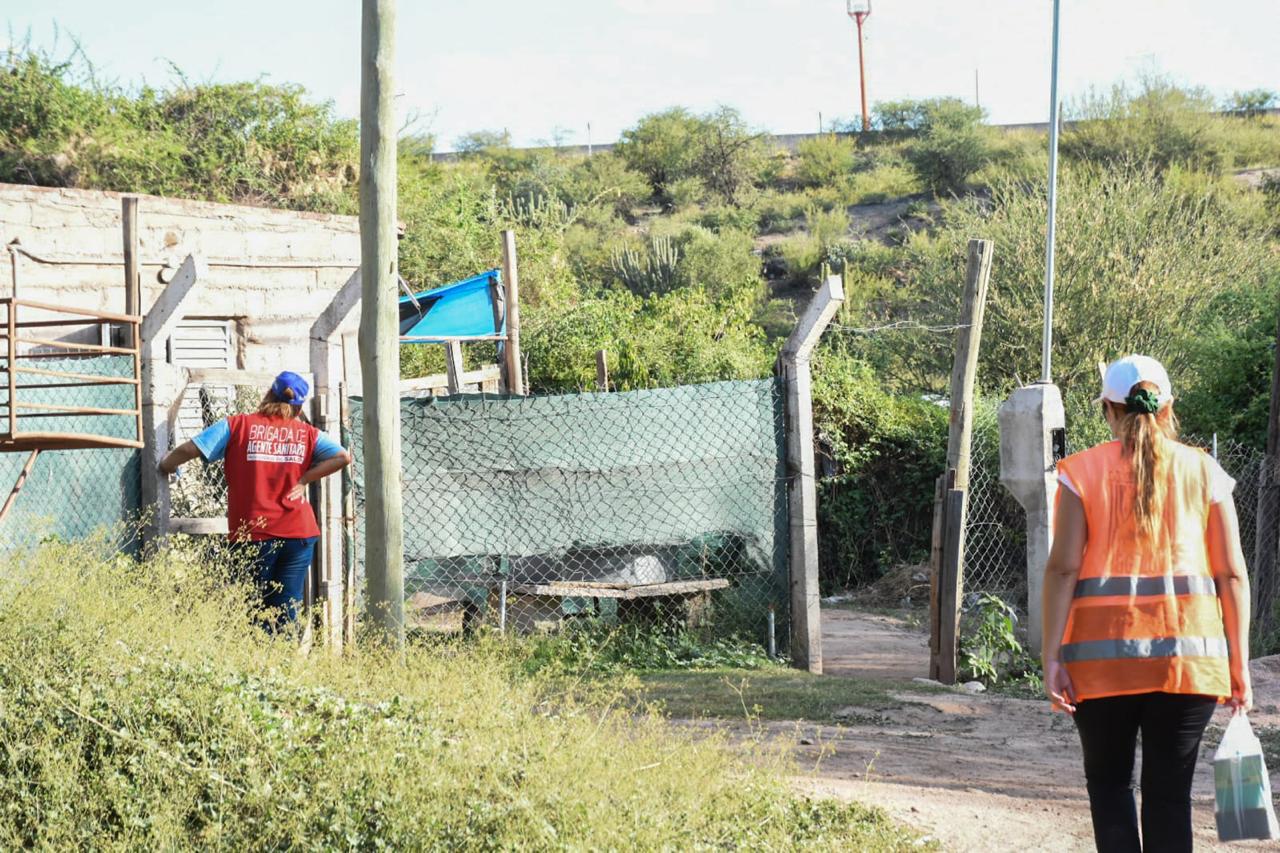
654 270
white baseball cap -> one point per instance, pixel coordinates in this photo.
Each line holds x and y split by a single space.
1120 376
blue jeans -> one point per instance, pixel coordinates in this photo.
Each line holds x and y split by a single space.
280 571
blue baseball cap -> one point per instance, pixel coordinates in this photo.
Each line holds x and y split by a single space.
290 388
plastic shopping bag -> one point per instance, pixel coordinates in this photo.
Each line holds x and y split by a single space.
1243 789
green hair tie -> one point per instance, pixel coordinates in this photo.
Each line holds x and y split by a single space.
1142 402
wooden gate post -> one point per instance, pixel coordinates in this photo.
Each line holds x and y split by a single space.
511 282
950 520
806 615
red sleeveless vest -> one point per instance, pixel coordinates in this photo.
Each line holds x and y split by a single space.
266 457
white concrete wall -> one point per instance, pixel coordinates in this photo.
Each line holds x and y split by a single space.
274 271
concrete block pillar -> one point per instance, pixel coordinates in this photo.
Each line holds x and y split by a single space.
1032 438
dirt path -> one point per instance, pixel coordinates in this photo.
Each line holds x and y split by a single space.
975 772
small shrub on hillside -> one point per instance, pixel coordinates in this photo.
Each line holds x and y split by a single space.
716 149
482 142
952 144
824 160
1161 124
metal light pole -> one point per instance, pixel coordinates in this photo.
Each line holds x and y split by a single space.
1046 356
1032 421
860 10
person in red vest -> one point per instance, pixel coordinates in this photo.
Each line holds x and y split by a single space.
271 456
1146 609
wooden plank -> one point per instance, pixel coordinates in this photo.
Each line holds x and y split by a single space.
486 375
199 526
62 441
806 613
964 369
224 376
951 585
511 283
567 589
132 274
935 572
453 366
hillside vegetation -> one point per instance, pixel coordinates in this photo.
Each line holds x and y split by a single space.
686 251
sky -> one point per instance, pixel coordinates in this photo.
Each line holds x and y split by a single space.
545 71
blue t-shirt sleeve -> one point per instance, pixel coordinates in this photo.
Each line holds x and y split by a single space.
326 448
212 440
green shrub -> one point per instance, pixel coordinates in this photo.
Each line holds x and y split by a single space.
824 160
249 143
678 338
1138 250
875 508
1252 103
1161 124
717 149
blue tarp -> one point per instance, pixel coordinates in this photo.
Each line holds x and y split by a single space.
463 309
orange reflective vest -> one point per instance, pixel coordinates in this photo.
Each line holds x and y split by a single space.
1145 616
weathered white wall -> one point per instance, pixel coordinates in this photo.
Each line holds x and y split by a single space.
274 271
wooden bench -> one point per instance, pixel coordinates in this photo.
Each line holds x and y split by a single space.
636 602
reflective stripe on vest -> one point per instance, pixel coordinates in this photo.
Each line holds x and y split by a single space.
1161 647
1143 586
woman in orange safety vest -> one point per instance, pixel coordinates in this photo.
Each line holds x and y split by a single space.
1146 609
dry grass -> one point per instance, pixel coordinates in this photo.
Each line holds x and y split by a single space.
140 709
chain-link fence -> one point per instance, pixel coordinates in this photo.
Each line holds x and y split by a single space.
201 489
71 493
995 536
534 509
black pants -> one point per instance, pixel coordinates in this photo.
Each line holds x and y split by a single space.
1171 727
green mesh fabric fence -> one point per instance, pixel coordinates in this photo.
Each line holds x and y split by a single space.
72 493
622 490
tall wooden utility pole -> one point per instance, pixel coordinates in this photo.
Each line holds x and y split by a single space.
379 322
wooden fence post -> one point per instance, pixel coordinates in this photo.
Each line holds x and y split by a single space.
947 581
602 370
511 281
132 276
379 331
453 365
806 615
950 587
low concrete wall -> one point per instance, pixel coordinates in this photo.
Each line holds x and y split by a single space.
273 271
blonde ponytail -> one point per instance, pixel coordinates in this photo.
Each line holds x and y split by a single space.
1146 430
